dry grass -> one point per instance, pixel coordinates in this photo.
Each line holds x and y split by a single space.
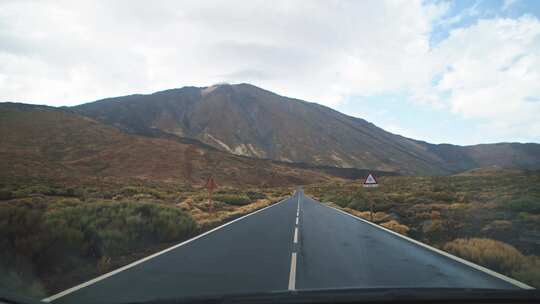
498 226
487 252
378 217
208 214
395 226
440 209
495 216
118 247
209 219
530 272
498 256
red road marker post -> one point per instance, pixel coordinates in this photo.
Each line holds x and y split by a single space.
210 185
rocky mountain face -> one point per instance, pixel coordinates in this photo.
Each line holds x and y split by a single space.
45 143
246 120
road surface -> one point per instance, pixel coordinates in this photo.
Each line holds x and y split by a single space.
296 244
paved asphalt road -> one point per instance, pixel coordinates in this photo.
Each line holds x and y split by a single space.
258 253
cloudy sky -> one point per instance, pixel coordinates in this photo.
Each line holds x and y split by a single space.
462 72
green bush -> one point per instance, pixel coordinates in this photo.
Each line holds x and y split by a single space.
253 195
443 196
131 191
530 272
359 204
528 204
341 200
232 199
71 192
40 189
70 234
5 194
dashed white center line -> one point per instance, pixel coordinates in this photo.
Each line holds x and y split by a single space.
292 274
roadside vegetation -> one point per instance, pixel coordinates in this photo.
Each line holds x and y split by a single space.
490 219
54 237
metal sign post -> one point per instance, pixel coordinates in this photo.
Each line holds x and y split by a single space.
370 182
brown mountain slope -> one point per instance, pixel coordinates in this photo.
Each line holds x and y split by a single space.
247 120
46 143
504 155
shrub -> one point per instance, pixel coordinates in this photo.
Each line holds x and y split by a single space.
71 192
138 223
232 199
498 226
395 226
71 201
340 200
131 191
381 204
45 190
253 195
490 253
5 195
104 264
530 272
435 215
435 226
65 192
530 218
155 193
528 204
69 234
142 197
443 196
359 204
380 216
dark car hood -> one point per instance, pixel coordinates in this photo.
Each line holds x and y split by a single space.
382 295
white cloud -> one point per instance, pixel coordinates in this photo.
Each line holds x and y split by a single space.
69 52
492 71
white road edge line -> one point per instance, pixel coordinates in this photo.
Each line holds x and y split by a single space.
109 274
297 220
444 253
295 235
292 274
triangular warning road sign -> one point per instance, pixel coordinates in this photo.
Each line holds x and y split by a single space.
370 181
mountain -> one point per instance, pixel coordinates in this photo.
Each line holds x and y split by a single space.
45 143
246 120
491 171
504 155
